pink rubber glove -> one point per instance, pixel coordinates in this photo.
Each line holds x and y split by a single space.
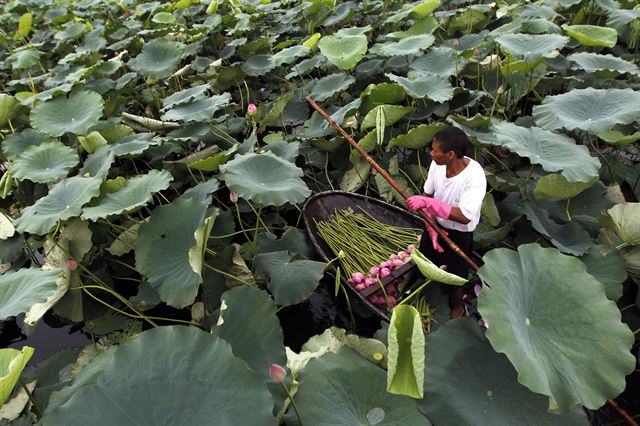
433 235
431 205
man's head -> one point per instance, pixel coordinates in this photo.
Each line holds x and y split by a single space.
448 144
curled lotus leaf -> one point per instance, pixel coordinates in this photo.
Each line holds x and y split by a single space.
344 51
406 352
12 362
392 113
75 114
571 346
135 193
158 58
592 35
532 47
594 62
407 46
64 200
22 289
592 110
437 88
626 219
44 163
265 179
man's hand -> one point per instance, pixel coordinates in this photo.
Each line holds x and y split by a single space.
432 206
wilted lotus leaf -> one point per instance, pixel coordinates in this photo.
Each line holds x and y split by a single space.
626 218
44 163
65 200
20 290
265 179
593 110
593 62
199 384
569 345
75 114
158 58
135 193
344 51
532 47
436 88
467 382
592 35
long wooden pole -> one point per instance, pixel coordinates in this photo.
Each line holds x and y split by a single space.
394 184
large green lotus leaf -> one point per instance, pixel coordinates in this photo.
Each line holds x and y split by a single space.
75 114
618 138
248 322
257 65
592 35
137 192
626 219
293 240
553 151
158 58
381 94
532 47
16 143
438 61
286 150
606 265
265 179
199 110
25 58
569 237
200 377
12 362
556 185
593 110
183 96
392 113
290 281
162 250
98 163
468 383
416 138
593 62
344 51
20 290
289 55
406 46
44 163
405 375
134 144
330 85
345 389
437 88
65 200
555 324
433 272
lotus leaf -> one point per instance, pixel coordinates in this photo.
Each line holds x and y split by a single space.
285 150
626 219
436 88
617 138
248 322
199 110
44 163
593 62
441 61
257 65
532 47
425 8
392 113
416 138
607 266
344 51
158 58
183 96
432 272
137 192
7 229
381 94
567 344
8 108
556 185
355 177
163 18
16 143
345 389
469 383
368 143
289 55
133 144
20 290
407 46
65 200
72 31
98 163
592 35
25 58
265 179
569 237
92 142
200 384
75 114
12 362
162 250
330 85
405 374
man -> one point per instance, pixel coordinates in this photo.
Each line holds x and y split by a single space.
454 191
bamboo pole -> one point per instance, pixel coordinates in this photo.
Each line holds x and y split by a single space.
394 184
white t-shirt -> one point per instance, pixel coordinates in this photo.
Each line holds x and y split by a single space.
465 190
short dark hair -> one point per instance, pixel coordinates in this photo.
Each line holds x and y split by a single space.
453 139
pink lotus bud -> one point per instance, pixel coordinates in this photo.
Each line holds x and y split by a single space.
252 109
402 254
361 286
398 263
394 257
374 171
72 265
374 271
358 277
477 289
410 248
277 373
370 281
233 197
350 281
385 264
385 272
392 301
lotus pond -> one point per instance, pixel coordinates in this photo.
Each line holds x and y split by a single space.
156 158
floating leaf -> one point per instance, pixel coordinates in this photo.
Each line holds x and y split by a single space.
549 331
532 47
65 200
265 179
556 185
436 88
158 58
392 114
617 138
44 163
593 62
290 281
592 35
626 219
344 51
20 290
12 362
416 138
330 85
137 192
432 272
405 374
75 114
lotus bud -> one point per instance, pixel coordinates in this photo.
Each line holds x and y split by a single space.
374 271
385 264
277 373
233 197
500 90
402 254
361 287
385 272
251 110
410 248
392 301
72 265
398 263
374 171
370 281
477 289
394 257
358 277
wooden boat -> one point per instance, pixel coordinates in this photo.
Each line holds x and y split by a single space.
321 206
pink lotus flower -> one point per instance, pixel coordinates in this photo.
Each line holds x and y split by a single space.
233 197
277 373
252 109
